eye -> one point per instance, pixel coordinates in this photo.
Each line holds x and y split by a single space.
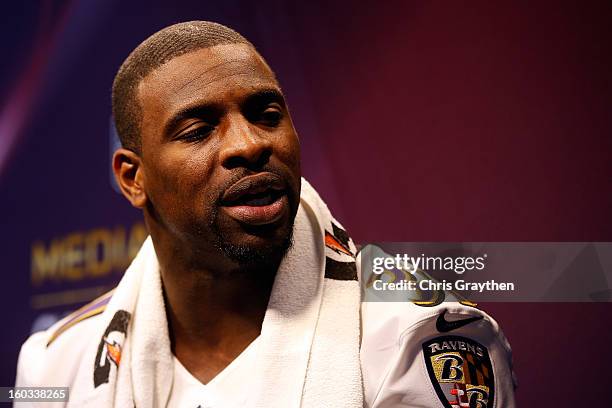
270 116
196 134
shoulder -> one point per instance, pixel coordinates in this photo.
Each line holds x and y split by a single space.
401 319
415 355
52 356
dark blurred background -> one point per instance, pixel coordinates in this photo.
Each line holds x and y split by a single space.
419 121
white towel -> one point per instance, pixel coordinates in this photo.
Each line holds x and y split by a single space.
308 352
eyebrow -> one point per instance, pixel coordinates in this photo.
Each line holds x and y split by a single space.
260 96
266 95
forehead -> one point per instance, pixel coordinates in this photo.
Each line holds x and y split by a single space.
205 75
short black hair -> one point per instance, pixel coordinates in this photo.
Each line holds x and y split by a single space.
161 47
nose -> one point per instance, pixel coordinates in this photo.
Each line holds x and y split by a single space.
243 146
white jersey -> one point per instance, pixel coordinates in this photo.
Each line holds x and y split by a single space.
188 392
449 355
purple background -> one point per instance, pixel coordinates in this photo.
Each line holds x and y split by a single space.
419 121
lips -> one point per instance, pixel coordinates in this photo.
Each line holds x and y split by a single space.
258 199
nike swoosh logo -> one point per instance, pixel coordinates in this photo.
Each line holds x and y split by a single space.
444 325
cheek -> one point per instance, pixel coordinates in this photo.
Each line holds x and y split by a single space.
288 149
179 179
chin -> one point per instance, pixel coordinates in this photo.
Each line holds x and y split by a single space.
263 254
259 247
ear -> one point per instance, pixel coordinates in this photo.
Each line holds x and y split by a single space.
129 174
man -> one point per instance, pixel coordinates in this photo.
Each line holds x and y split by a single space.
246 293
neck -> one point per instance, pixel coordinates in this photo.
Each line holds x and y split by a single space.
212 314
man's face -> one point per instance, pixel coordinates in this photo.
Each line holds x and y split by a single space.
220 156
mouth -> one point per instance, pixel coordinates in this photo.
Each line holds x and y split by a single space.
258 199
